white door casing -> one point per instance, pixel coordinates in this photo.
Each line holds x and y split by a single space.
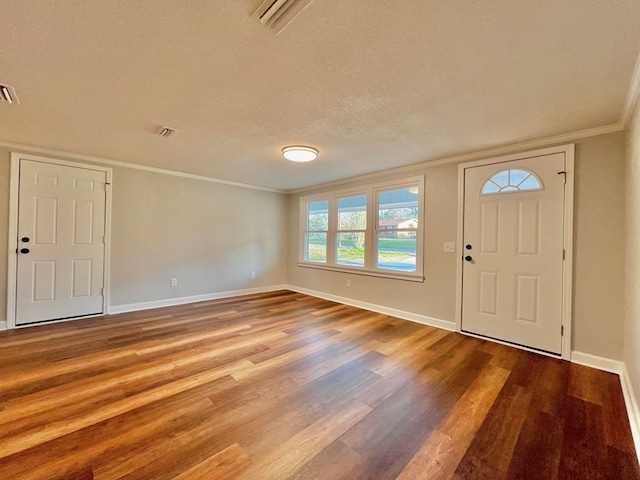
514 285
60 229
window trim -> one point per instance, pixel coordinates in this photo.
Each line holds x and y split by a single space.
371 191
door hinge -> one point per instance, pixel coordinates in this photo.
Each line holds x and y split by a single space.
564 176
562 330
564 253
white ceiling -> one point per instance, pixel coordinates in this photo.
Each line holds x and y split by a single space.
373 84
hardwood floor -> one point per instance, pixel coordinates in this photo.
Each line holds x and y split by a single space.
286 386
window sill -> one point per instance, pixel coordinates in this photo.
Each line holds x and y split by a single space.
409 277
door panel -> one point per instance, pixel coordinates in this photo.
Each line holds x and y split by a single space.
83 222
529 233
512 282
489 293
46 220
44 281
61 222
490 228
527 298
81 278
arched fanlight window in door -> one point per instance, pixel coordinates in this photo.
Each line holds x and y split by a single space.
512 180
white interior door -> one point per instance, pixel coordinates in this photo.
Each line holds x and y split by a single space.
61 248
513 251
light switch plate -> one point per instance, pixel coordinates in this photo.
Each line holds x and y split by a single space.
449 247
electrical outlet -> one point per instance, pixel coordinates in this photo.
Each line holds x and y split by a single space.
449 247
253 274
174 282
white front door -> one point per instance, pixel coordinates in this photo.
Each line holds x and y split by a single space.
61 227
513 251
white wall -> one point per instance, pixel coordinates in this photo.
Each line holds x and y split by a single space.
632 255
210 236
598 251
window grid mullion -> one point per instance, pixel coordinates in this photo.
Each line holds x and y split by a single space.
332 228
375 214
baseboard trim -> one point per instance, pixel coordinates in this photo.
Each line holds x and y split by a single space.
3 325
423 319
601 363
633 411
170 302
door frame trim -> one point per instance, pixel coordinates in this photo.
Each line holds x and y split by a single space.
12 256
567 267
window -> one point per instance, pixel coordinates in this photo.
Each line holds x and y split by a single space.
352 226
511 181
374 230
397 229
316 230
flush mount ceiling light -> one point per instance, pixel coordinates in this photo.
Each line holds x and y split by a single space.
299 153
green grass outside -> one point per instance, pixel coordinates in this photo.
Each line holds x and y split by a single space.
319 253
407 243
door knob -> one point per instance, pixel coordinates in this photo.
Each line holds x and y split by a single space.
468 247
468 258
24 250
25 239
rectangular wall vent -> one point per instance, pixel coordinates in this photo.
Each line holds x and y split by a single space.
167 132
277 14
8 94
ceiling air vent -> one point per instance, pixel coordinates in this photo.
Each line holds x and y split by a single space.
277 14
167 132
8 94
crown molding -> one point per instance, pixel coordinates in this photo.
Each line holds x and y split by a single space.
17 147
477 155
632 95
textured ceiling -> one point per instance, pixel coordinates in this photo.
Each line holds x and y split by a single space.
371 84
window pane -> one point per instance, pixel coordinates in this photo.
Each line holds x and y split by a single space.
517 176
501 178
352 213
318 215
397 252
511 181
531 183
350 249
490 187
315 247
398 208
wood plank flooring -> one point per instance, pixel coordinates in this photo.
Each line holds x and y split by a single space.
287 386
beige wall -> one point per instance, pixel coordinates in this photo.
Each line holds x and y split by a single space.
435 297
208 235
632 251
598 256
598 273
212 236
